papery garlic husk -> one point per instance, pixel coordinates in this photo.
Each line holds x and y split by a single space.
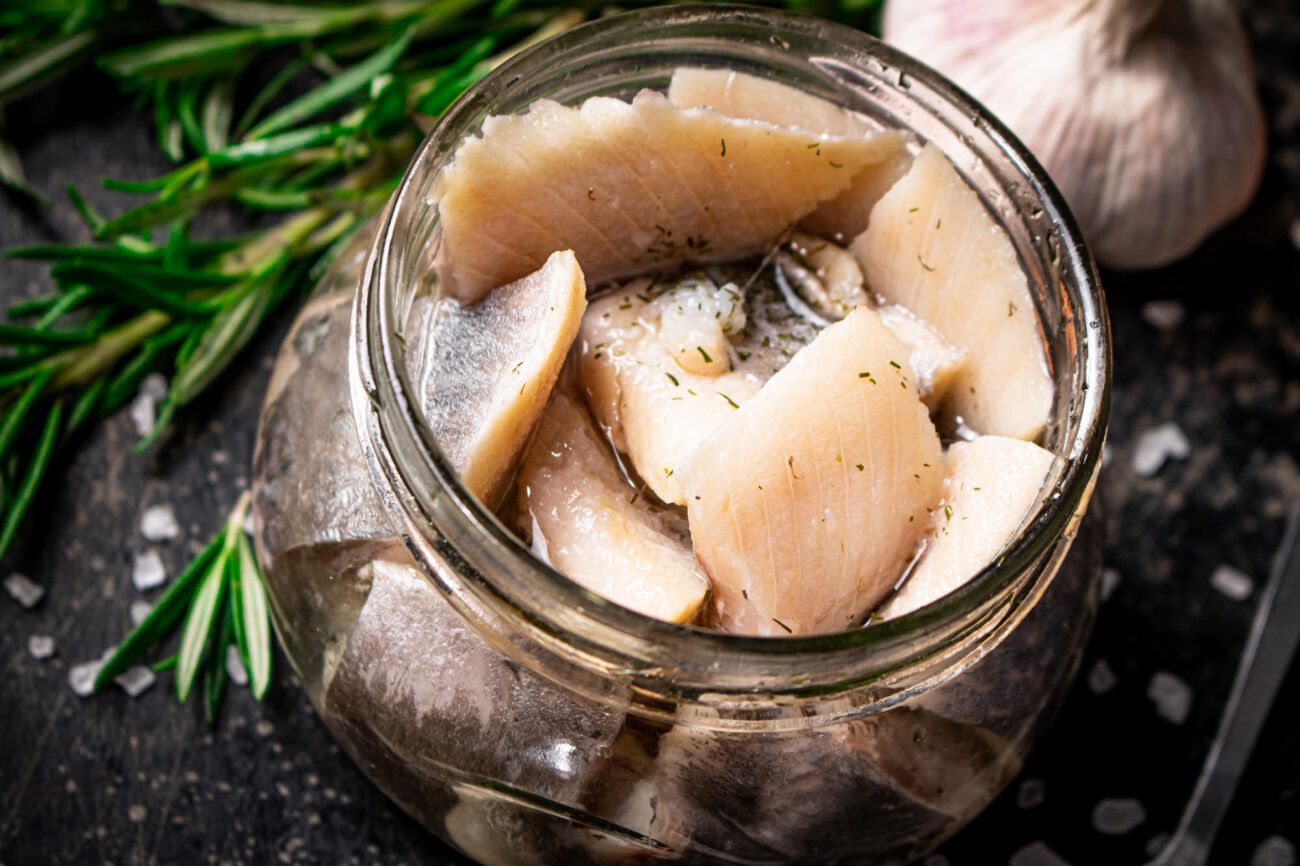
1143 112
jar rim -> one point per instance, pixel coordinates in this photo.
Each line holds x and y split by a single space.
433 502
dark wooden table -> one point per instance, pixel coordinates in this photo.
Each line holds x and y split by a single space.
116 780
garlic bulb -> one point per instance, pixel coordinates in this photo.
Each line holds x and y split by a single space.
1143 112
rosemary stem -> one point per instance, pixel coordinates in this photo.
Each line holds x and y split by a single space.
93 360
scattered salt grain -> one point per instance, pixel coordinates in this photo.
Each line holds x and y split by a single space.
136 680
158 523
82 677
141 413
1172 697
1031 794
1233 583
1164 315
147 570
1110 580
235 666
220 458
154 385
1117 817
264 728
1036 854
137 813
1274 851
1101 678
140 610
1163 442
24 590
41 646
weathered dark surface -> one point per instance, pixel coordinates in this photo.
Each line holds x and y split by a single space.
115 780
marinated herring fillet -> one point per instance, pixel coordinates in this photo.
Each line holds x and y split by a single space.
809 502
933 247
630 188
585 520
492 367
749 97
663 371
990 485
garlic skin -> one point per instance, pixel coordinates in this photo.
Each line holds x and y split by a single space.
1143 112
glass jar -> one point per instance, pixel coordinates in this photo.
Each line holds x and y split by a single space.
524 719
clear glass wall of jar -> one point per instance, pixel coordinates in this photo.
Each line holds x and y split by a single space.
527 721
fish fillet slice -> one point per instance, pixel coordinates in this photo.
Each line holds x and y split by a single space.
597 179
656 410
932 247
585 521
493 366
748 97
934 361
810 500
990 486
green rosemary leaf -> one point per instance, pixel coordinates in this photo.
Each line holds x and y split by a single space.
151 356
255 627
165 614
214 671
272 199
222 339
187 113
197 630
168 127
48 253
88 214
84 407
36 466
335 90
177 279
216 50
127 288
276 146
160 666
269 92
12 175
33 306
68 301
218 112
245 12
16 335
16 413
42 62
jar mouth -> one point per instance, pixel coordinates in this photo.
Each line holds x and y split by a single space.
496 574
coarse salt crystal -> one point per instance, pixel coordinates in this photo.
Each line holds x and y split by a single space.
147 570
1110 581
1036 854
1233 583
1031 794
41 646
235 666
1117 817
1101 678
1274 851
158 523
137 813
24 590
219 457
82 677
1164 315
140 610
1163 442
1172 697
155 385
136 680
141 414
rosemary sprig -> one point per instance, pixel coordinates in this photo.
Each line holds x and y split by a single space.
222 601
